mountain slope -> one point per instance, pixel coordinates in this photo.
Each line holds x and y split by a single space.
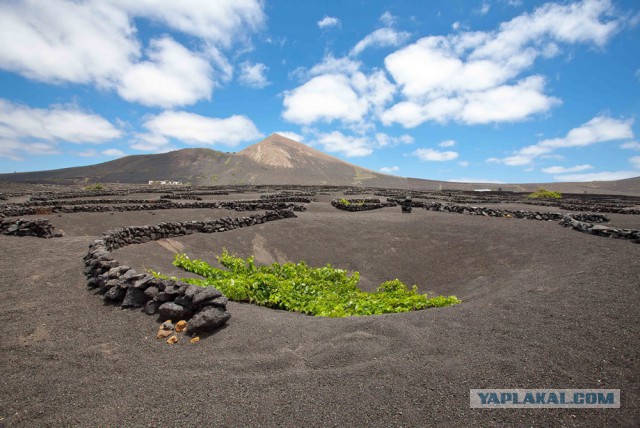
280 160
275 160
181 165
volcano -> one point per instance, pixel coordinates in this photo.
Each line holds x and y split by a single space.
274 160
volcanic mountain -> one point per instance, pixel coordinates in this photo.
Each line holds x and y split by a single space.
275 160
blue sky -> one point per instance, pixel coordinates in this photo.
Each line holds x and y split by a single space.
488 90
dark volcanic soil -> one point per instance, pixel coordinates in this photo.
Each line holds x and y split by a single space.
543 307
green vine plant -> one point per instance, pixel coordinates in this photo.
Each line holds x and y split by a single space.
296 287
544 194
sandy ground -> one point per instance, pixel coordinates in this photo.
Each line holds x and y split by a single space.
543 307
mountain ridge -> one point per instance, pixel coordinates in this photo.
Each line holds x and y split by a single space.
274 160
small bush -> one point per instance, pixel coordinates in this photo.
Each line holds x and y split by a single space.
545 194
96 186
324 291
344 201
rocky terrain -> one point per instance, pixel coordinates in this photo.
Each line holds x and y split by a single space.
543 306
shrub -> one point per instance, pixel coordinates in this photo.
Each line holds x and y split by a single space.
344 201
324 291
545 194
96 186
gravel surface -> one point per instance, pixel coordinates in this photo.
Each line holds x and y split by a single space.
543 307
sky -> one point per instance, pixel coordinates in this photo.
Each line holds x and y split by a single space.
500 91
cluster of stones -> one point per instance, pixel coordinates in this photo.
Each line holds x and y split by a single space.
209 193
365 204
191 196
204 307
617 208
570 220
14 211
54 202
288 198
77 194
491 212
39 227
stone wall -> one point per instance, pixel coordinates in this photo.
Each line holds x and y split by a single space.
204 307
15 210
305 199
56 202
570 220
39 227
192 196
608 207
494 212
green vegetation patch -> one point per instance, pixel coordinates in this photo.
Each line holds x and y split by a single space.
545 194
324 291
96 186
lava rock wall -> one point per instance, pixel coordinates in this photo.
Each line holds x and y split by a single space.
39 227
204 307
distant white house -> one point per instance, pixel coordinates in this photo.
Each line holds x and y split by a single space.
482 190
164 183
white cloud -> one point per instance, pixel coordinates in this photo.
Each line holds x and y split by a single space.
388 19
324 98
386 140
389 169
291 135
635 161
434 155
447 143
194 129
96 42
15 150
484 8
328 21
90 153
475 77
383 37
464 164
565 170
350 146
173 76
552 156
114 153
598 176
79 42
221 22
253 75
151 143
505 103
455 26
630 145
333 65
357 146
597 130
38 131
337 90
57 123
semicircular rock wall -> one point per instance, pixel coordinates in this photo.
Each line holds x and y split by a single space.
204 307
